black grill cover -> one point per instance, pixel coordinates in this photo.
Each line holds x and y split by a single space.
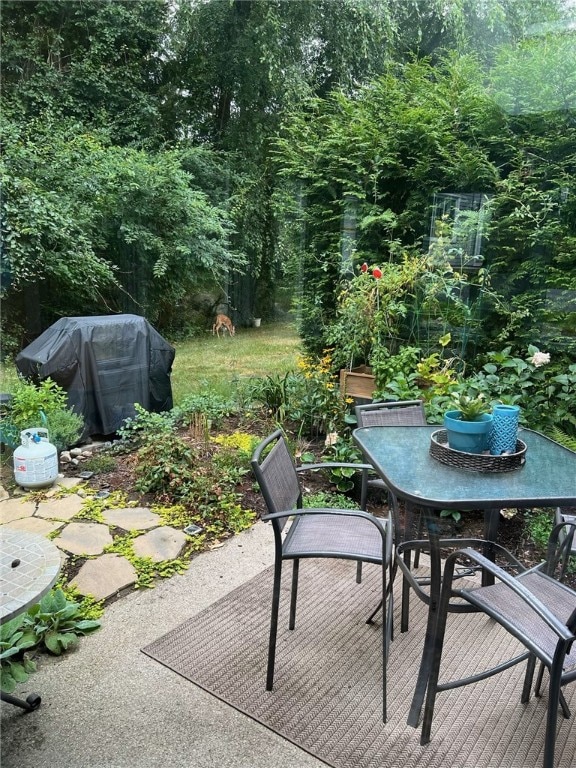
106 364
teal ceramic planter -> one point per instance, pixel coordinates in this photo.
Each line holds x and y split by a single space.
468 436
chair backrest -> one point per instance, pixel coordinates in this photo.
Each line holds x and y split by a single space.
394 414
561 545
276 474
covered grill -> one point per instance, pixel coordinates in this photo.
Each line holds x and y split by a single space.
106 364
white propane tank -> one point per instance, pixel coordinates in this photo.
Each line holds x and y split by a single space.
36 460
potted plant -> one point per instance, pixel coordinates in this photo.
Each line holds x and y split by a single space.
468 426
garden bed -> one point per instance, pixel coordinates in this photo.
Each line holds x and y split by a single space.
118 473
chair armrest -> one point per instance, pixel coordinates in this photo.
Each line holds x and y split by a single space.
515 585
384 525
381 523
424 546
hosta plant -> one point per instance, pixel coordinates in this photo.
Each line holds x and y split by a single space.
15 666
57 622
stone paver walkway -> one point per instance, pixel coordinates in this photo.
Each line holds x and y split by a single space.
103 575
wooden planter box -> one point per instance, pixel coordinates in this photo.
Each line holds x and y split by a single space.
359 382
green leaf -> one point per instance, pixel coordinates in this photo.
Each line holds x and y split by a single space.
18 672
87 625
9 652
59 600
7 682
9 628
29 665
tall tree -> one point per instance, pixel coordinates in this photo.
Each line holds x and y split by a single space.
88 226
97 61
238 67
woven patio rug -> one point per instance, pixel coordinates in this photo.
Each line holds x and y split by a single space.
327 696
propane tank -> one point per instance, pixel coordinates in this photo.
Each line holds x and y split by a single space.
36 460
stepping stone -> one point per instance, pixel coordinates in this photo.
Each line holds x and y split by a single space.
132 519
68 482
60 509
162 543
84 538
14 509
105 576
35 525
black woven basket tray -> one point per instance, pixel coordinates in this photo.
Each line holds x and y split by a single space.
475 462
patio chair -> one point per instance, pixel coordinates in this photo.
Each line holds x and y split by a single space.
536 608
391 414
319 533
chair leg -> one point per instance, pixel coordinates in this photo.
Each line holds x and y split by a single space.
554 693
538 692
528 677
294 594
363 503
370 619
418 536
364 490
405 607
385 628
273 624
436 647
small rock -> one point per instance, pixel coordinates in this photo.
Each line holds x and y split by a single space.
65 456
76 452
75 462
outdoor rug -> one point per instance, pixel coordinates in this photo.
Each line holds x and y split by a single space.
327 696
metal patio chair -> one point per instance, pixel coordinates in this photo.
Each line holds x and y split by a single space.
388 414
399 413
318 533
533 606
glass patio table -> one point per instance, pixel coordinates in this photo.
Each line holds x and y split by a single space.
401 457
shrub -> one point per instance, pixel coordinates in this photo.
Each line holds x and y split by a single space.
40 405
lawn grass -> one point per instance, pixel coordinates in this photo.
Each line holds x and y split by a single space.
214 363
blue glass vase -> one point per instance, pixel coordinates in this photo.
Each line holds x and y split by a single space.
504 432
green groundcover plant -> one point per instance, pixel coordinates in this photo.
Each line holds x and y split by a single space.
55 624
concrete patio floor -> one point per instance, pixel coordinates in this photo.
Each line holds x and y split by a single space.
108 705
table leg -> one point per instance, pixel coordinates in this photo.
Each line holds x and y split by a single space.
428 650
491 524
31 703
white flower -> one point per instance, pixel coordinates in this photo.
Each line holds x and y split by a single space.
331 439
540 358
